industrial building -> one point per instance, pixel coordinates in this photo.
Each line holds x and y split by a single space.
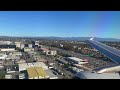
24 66
75 60
36 73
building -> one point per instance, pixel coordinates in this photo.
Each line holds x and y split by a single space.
37 43
21 61
5 42
22 46
75 60
48 52
28 49
3 56
30 45
53 52
17 53
18 44
8 76
24 66
36 73
7 49
7 46
26 45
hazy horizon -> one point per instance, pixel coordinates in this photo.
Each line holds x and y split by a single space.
57 36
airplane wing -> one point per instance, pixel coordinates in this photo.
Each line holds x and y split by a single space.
112 53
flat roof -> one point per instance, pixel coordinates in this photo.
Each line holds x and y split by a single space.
36 72
41 72
31 72
76 59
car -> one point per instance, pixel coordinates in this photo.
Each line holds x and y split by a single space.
55 73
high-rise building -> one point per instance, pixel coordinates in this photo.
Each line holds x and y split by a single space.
37 43
22 46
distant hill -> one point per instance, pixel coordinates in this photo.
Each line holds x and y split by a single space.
61 38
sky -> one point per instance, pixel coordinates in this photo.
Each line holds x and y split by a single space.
105 24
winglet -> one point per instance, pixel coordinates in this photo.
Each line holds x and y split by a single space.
92 38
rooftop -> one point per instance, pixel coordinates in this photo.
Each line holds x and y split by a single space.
76 59
36 72
31 72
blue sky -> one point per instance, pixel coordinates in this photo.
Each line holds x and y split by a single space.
104 24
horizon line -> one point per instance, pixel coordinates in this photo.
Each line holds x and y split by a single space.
59 36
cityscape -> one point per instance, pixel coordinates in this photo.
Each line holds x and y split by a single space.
48 54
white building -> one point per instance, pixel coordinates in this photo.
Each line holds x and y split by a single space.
30 45
5 42
75 60
37 43
49 52
22 46
53 52
24 66
18 44
8 49
3 56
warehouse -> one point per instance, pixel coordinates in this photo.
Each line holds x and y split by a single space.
36 73
24 66
32 74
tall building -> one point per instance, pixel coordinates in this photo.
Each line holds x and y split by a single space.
37 43
31 45
22 46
